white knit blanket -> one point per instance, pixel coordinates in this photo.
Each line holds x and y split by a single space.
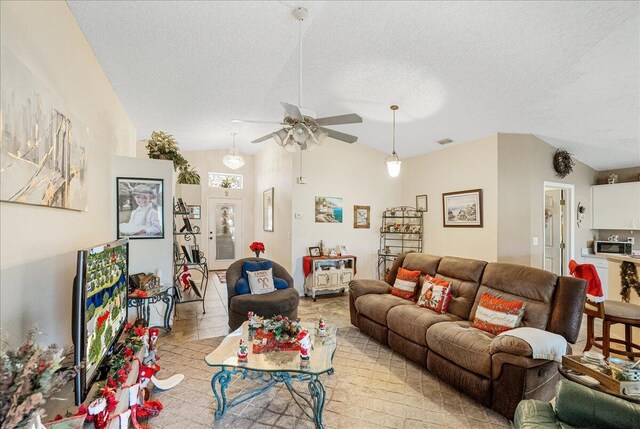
545 345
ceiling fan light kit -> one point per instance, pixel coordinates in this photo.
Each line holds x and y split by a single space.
393 161
233 159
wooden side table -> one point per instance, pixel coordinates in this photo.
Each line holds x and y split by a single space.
328 273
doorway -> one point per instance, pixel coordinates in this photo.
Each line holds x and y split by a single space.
224 232
557 227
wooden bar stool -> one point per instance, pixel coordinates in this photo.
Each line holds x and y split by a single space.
612 312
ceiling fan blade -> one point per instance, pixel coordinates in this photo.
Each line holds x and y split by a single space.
351 118
347 138
292 111
251 121
263 138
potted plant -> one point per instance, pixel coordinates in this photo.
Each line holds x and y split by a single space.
164 146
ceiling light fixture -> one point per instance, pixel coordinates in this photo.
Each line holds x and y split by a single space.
233 159
393 161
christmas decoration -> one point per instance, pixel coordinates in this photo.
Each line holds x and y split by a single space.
28 377
628 280
562 163
322 327
185 278
243 350
275 334
257 247
99 413
304 341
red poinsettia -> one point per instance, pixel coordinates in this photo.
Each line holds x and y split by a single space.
139 332
257 246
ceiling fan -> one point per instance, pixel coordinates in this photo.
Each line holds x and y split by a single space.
300 131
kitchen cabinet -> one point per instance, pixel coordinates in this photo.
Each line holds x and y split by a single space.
602 267
616 206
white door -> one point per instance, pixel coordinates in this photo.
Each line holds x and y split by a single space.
224 232
555 231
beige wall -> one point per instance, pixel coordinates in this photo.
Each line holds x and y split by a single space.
39 244
211 161
471 165
274 169
524 164
358 174
631 174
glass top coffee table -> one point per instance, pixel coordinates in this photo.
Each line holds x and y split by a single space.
270 368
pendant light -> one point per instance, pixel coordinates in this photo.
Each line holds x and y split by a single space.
233 159
393 161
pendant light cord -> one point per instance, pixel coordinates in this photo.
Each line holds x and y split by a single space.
394 132
300 62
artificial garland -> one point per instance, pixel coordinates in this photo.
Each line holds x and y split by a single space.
562 163
628 280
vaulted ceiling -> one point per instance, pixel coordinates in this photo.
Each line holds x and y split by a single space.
568 72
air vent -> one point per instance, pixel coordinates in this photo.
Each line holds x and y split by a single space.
445 141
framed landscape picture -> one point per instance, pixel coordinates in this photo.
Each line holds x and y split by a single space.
421 203
462 209
328 209
267 210
361 217
140 211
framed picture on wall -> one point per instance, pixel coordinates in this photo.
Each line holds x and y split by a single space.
361 217
140 211
421 203
267 210
194 212
462 209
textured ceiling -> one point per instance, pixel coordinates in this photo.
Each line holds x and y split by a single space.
568 72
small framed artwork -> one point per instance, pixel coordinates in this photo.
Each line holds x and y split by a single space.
342 250
361 217
421 203
140 211
462 209
267 210
314 251
194 212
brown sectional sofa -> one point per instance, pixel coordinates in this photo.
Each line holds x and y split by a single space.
498 372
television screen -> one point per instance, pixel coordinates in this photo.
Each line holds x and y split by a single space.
100 307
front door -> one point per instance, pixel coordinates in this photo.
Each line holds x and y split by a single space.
555 231
224 232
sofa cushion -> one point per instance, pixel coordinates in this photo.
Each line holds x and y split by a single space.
266 305
435 294
376 306
463 345
496 315
412 321
426 264
255 266
465 275
516 282
406 284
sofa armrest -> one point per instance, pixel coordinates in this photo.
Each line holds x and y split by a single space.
510 345
499 359
357 288
534 414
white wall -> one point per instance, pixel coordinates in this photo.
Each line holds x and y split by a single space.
358 174
39 244
471 165
274 169
211 161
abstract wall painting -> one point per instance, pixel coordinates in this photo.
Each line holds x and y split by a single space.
42 154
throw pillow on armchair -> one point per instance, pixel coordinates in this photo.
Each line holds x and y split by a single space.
261 281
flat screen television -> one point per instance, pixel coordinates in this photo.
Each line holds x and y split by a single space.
99 308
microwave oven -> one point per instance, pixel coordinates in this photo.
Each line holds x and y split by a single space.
618 247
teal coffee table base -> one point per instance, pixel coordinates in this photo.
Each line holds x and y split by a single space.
221 380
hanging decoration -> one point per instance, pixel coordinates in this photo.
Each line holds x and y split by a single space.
393 161
563 163
233 159
628 280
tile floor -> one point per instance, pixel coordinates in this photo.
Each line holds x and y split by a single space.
372 387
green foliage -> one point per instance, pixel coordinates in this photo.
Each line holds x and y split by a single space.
164 146
229 182
90 312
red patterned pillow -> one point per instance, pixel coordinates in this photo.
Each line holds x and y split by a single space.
435 294
405 284
496 315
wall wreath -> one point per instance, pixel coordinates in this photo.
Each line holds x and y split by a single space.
562 163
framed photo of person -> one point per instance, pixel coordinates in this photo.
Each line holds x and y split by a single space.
140 211
421 203
462 209
362 217
314 251
267 210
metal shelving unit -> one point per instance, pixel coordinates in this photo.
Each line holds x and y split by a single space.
180 261
401 231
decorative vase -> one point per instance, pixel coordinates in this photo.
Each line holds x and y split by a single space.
257 252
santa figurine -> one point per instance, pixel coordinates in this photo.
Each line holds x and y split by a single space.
243 350
322 327
185 277
153 337
304 340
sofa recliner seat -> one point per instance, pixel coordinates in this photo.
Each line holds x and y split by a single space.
496 371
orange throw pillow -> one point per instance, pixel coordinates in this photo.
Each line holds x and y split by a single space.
405 284
435 294
495 315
